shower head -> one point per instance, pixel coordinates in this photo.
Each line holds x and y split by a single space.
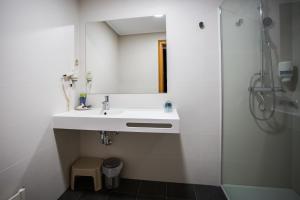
267 22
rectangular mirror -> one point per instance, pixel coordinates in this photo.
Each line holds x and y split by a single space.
127 56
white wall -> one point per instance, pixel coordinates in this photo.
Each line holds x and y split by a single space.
296 61
254 153
37 46
138 62
102 50
290 41
194 156
296 43
295 154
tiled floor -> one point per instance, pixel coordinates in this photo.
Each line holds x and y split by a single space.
145 190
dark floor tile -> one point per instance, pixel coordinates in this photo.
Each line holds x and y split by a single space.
151 190
180 191
71 195
150 198
116 196
127 186
94 196
206 192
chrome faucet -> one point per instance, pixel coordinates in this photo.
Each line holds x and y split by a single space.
105 103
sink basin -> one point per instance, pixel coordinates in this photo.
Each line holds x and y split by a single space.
92 113
122 120
111 112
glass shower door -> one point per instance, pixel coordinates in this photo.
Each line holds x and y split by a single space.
261 158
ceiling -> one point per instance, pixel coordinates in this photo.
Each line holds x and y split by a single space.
138 25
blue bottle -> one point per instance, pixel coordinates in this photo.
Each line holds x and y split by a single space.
168 107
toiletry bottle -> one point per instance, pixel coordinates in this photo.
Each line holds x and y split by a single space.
82 99
168 107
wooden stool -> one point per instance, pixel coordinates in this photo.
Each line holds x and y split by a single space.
87 167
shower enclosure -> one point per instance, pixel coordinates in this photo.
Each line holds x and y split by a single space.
261 116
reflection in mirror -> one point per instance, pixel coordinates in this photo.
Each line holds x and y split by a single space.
127 56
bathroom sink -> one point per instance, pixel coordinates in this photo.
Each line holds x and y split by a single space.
92 113
123 120
111 112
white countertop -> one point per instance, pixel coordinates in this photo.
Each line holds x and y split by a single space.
117 119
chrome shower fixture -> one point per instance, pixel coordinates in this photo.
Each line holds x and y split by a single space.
262 90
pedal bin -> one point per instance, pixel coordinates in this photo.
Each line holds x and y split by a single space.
111 169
